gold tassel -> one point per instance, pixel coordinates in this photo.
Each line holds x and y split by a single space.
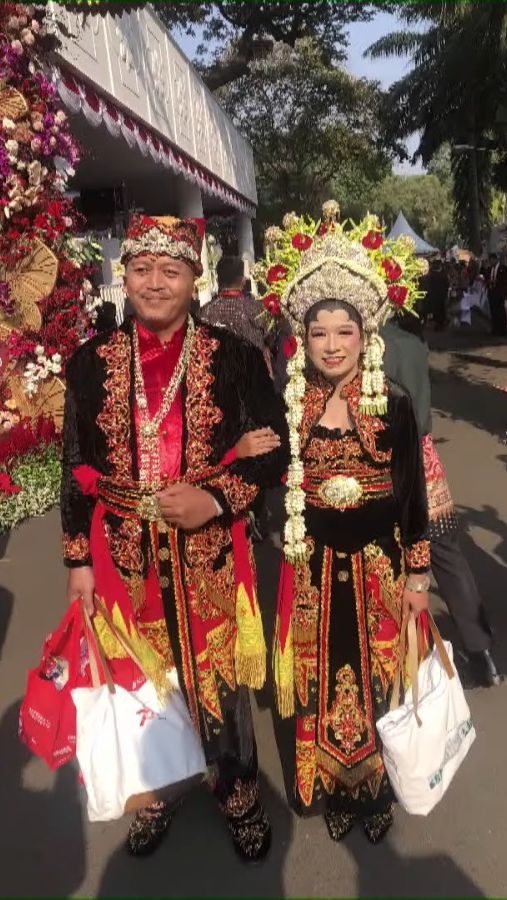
250 649
283 671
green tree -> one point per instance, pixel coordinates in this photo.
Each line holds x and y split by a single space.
455 93
315 129
424 200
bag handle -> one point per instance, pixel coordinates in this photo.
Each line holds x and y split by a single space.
439 644
408 630
96 655
122 640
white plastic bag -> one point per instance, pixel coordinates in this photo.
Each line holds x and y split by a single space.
129 745
422 759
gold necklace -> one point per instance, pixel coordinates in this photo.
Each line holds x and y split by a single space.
149 462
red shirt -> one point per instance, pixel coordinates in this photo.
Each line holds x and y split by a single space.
158 361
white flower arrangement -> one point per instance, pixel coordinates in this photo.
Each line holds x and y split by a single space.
295 548
36 372
39 477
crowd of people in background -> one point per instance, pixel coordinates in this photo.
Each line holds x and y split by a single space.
454 287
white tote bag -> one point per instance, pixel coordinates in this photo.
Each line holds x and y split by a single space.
129 745
426 739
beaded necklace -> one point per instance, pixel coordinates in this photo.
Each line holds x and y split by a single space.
149 427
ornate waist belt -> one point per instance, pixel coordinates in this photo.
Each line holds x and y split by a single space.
135 498
132 499
347 492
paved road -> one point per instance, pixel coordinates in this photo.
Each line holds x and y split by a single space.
48 849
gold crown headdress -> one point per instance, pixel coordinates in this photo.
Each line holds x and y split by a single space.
308 261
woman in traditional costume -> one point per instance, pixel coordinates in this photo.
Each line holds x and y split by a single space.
356 557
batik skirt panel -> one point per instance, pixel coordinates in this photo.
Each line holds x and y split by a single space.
346 633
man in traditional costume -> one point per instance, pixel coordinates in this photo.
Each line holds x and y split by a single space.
356 554
153 506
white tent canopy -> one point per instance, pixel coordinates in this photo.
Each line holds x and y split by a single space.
401 226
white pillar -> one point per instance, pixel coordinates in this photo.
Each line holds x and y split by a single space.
245 241
190 206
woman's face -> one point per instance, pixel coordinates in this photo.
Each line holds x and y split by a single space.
334 344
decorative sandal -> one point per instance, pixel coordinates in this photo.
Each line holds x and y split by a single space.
339 824
377 826
247 822
148 828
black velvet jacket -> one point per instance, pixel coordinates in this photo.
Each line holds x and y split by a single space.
389 443
227 391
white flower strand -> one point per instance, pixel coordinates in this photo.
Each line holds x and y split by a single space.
37 372
295 531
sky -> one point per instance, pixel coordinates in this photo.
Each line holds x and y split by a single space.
361 36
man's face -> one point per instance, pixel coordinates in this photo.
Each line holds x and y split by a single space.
160 290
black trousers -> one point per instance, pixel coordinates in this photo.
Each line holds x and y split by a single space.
498 316
458 589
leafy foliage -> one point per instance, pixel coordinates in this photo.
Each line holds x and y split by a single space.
454 93
310 124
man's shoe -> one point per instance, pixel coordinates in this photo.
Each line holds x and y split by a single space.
148 828
247 822
481 671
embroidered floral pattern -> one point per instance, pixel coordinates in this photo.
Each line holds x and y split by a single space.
418 556
76 548
114 419
346 717
125 544
201 413
238 494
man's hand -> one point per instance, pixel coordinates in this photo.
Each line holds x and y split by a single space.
81 584
186 506
256 443
415 601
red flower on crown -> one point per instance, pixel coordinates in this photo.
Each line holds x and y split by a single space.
373 240
290 346
397 294
392 269
276 273
302 242
271 302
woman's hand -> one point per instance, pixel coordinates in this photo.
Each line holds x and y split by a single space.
415 602
81 585
256 443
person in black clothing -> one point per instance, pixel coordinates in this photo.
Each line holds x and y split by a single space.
436 285
406 362
497 294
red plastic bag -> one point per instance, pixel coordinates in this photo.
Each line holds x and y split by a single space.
47 718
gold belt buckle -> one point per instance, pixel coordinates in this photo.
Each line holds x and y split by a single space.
340 491
149 508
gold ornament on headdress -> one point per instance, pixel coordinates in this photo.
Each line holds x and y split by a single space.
327 260
31 281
